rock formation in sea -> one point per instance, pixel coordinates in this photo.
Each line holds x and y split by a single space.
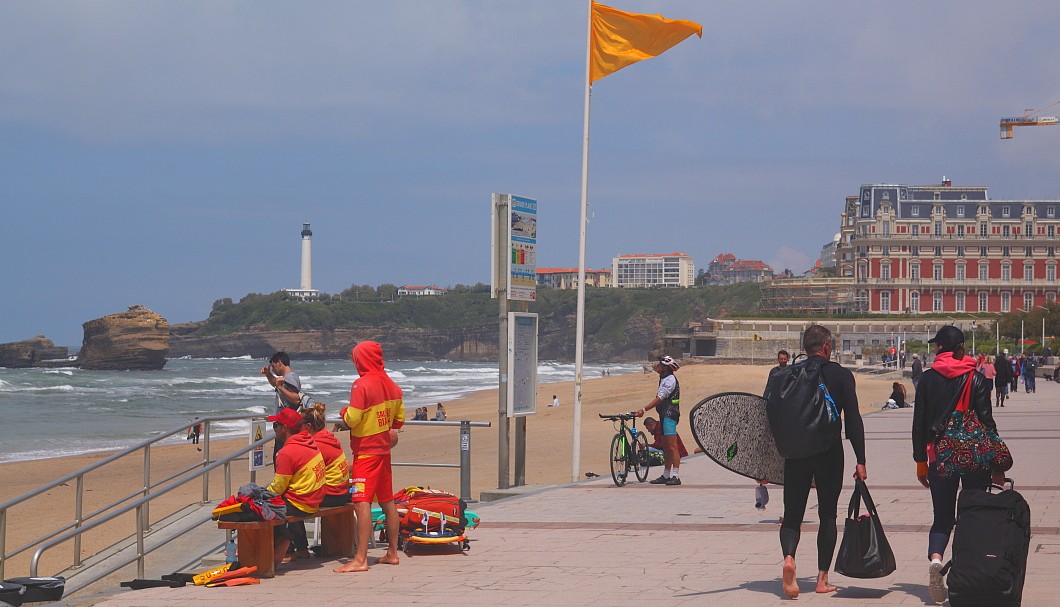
31 353
136 340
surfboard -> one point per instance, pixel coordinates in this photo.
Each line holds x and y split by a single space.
732 429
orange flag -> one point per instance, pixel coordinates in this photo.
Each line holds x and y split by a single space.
619 38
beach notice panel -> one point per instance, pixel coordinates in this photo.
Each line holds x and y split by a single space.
522 364
257 454
522 239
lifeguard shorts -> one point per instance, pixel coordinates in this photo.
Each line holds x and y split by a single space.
371 479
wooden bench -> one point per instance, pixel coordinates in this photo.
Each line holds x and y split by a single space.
255 538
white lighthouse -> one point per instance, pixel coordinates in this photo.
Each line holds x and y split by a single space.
305 290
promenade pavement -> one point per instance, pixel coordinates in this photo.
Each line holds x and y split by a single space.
591 543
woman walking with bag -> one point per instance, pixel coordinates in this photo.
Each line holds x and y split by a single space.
951 388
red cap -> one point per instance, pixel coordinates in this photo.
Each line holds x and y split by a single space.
288 417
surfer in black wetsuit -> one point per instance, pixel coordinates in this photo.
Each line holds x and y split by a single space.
823 470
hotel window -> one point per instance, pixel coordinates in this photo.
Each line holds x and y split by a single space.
960 211
1050 273
982 229
982 301
1050 231
1005 231
885 301
1028 300
982 251
938 229
914 272
1006 273
936 301
1006 302
1028 251
914 251
959 302
914 211
1006 211
936 271
1028 230
885 271
984 271
886 251
914 302
1028 272
1051 252
960 251
960 231
960 272
1050 297
886 228
1005 252
1050 212
938 251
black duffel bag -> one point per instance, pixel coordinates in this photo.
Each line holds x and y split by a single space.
864 552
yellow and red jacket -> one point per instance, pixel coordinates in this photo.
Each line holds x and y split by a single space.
300 473
337 467
376 404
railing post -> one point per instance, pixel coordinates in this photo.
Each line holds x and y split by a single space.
140 511
3 540
79 505
147 484
465 460
206 461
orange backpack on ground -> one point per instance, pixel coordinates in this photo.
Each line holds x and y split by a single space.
430 510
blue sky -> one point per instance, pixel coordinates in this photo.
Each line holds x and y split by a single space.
167 153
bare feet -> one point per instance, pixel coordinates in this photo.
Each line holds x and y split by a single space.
390 559
823 587
352 567
790 584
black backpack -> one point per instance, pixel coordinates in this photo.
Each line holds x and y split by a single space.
990 545
803 417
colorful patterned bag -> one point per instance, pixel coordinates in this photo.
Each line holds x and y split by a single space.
966 446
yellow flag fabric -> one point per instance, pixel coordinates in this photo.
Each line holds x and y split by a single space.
619 38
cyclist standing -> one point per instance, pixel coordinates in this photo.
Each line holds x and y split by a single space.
667 402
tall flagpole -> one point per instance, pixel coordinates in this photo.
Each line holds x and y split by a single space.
579 346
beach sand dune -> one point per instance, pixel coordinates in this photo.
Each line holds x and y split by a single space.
549 454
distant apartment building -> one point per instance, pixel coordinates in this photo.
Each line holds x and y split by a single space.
725 269
420 291
828 252
567 278
947 249
669 270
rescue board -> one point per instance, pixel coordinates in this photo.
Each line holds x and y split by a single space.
732 429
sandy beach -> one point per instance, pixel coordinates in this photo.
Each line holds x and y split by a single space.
549 453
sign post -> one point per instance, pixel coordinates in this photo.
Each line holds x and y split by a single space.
257 454
514 277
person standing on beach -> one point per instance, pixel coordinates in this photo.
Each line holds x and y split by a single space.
668 403
943 392
823 470
375 413
287 385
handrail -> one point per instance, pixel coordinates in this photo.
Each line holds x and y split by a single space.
83 524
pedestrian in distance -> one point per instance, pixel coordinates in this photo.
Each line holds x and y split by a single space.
822 469
943 389
918 370
1002 378
667 403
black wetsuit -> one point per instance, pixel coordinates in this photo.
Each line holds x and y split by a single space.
824 470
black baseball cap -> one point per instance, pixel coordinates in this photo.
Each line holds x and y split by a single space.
948 337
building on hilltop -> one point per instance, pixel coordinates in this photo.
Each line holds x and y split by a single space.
418 291
669 270
305 290
725 269
947 249
567 278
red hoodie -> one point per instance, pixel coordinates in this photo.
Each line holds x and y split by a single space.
376 404
300 472
337 471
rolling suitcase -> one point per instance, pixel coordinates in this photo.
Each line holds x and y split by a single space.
990 545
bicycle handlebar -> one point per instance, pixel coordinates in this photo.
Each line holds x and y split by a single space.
619 416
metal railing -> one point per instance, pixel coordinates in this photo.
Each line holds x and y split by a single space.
140 500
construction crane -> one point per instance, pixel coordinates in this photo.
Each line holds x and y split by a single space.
1030 117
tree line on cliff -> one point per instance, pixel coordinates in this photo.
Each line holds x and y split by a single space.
619 323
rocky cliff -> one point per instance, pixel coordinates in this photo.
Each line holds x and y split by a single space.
31 353
135 340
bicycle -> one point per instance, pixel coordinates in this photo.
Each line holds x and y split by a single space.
629 449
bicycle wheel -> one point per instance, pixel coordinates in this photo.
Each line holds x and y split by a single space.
641 460
619 461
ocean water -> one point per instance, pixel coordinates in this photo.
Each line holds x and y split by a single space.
56 412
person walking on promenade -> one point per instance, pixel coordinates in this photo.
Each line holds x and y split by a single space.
986 367
782 361
918 370
1002 378
823 470
667 402
946 389
375 413
1029 367
1017 370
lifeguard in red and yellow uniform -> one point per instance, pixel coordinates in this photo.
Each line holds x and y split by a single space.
299 480
375 413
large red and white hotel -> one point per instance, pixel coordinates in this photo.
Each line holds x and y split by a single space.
947 249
